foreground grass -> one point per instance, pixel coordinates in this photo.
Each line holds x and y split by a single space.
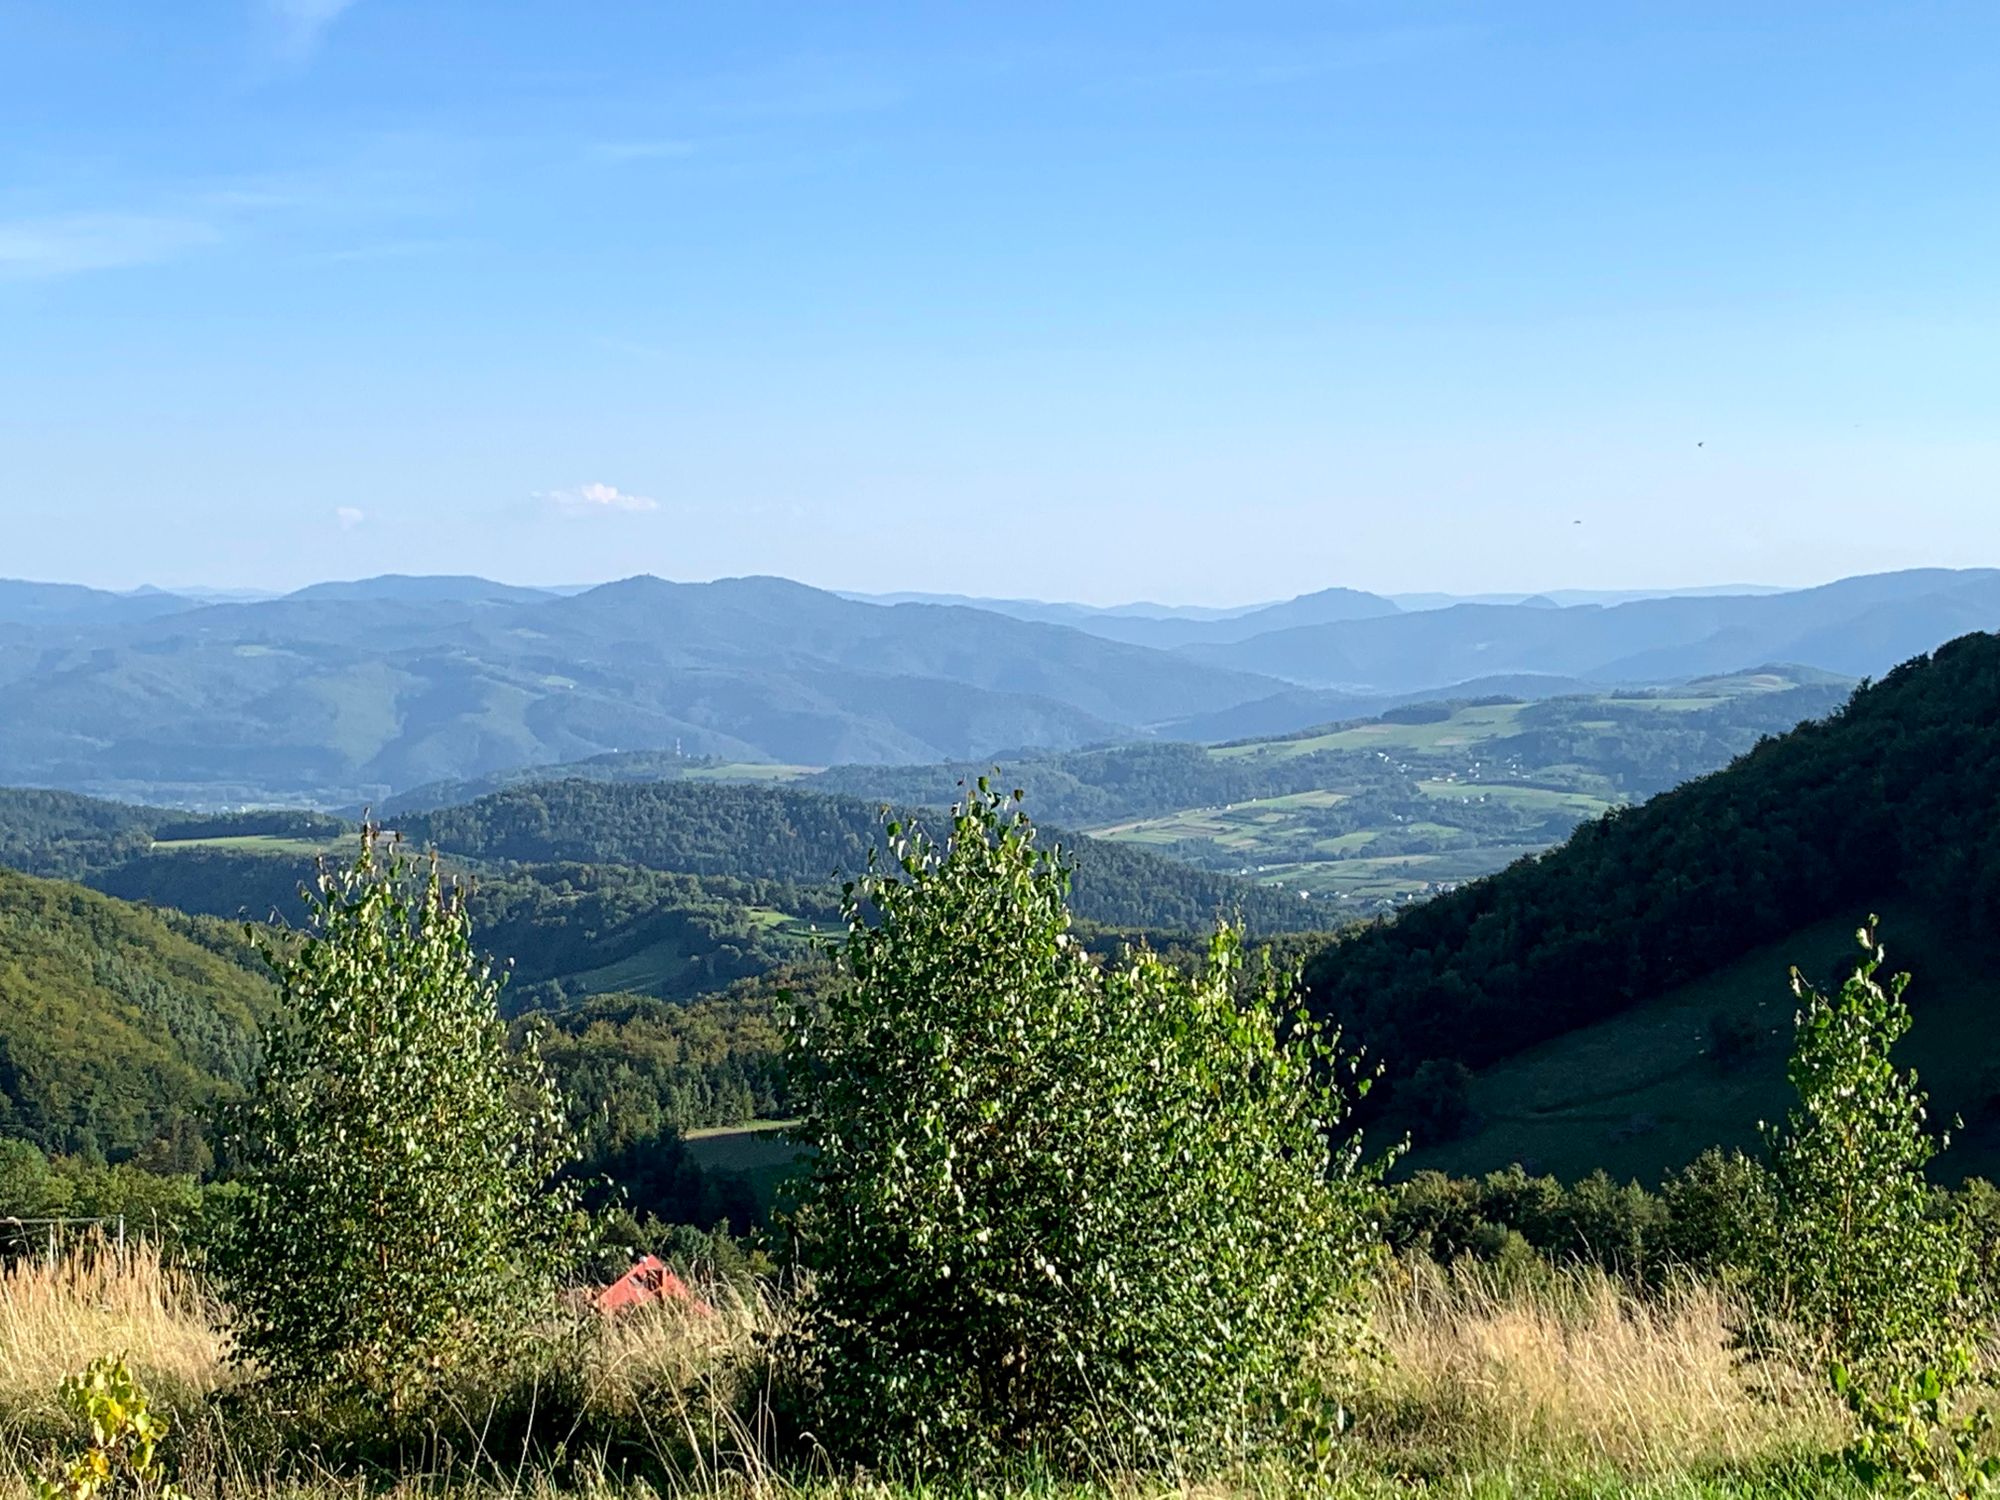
1567 1385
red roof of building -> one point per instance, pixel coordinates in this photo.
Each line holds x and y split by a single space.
649 1280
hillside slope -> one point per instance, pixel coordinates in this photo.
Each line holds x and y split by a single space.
117 1023
1642 1092
337 694
1894 799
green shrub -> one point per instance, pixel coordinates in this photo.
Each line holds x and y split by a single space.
1093 1213
1620 1228
1720 1214
1860 1259
401 1212
122 1459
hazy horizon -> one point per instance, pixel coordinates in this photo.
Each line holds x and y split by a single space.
199 589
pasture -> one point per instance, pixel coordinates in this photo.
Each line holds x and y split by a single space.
1648 1087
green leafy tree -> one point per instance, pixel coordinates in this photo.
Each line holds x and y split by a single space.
1721 1214
402 1210
1858 1258
1057 1206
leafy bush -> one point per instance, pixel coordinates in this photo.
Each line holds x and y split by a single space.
122 1458
1859 1259
1086 1212
1622 1229
401 1211
1720 1213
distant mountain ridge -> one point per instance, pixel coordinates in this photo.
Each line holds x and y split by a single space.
344 693
1857 626
339 695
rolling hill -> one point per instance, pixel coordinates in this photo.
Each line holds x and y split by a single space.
1889 805
1701 1065
341 696
346 693
119 1025
1373 812
812 838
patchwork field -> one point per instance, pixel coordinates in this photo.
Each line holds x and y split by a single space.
1375 814
248 843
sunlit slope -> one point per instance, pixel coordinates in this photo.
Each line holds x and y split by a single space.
118 1024
1368 813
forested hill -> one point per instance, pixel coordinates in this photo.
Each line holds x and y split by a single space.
1897 795
778 833
119 1025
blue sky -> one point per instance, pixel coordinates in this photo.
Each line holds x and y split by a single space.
1197 302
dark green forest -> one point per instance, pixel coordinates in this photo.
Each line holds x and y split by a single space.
120 1027
1894 794
807 838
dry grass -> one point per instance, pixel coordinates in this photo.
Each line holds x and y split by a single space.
1485 1387
55 1318
1578 1366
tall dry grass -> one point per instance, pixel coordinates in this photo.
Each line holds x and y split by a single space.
1564 1373
1575 1365
55 1317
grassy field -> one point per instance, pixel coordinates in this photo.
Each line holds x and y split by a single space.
1427 805
1532 798
1465 727
657 968
248 843
1246 825
1642 1088
759 1151
748 770
1392 877
1568 1386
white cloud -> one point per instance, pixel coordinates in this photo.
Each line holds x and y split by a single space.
596 500
301 24
349 516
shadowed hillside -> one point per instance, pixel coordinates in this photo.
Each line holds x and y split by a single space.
1893 799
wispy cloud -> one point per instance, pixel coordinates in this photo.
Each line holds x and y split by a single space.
67 244
595 500
300 25
372 203
347 517
623 151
